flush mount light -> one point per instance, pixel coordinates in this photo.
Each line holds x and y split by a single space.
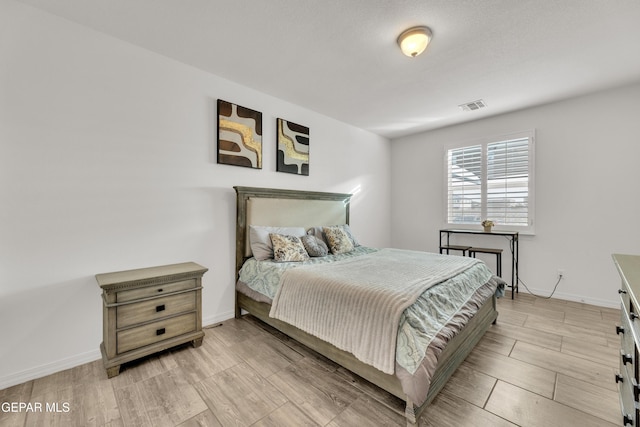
414 41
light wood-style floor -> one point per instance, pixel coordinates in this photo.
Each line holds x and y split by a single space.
545 363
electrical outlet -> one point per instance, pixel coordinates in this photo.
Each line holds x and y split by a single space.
561 274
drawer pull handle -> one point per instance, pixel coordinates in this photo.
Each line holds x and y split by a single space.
159 308
626 358
633 316
627 419
622 291
160 290
160 331
619 330
619 378
636 389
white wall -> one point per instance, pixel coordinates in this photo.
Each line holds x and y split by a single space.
587 191
107 163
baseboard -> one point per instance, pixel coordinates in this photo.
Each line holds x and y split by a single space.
49 368
614 303
208 321
79 359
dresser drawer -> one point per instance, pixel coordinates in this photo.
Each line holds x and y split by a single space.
154 309
154 291
628 348
624 297
627 404
133 338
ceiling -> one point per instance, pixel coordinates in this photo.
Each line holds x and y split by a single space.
340 57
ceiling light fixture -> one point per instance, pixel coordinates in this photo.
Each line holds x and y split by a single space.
414 41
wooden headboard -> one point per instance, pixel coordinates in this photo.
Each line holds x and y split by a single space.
284 208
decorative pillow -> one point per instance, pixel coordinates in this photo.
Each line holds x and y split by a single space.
319 233
338 240
260 242
314 246
347 230
288 248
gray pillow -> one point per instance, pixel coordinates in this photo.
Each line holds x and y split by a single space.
315 247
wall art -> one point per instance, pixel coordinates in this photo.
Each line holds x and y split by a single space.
293 148
239 135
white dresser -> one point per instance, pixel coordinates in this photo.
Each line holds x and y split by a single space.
149 310
629 331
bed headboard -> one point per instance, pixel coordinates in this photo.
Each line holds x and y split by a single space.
284 208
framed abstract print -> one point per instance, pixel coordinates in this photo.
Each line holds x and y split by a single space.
239 135
293 148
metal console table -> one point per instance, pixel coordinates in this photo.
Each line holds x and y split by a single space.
512 236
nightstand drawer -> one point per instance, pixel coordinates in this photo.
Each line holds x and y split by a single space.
133 338
154 291
154 309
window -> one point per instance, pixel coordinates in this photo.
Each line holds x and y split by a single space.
491 179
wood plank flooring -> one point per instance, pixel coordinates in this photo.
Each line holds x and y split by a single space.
545 363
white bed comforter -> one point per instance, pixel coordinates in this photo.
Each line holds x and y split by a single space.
356 304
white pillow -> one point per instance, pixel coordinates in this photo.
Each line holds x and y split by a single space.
260 242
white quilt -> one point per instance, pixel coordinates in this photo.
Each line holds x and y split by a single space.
356 304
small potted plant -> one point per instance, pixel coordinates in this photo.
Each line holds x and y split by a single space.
487 224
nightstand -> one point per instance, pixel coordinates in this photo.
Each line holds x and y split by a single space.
149 310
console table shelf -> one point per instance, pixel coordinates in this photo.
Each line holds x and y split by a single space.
514 242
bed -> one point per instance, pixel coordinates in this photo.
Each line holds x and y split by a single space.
273 208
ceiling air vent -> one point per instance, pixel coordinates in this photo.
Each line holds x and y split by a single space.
474 105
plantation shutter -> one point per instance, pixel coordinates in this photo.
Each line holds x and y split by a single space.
491 179
464 185
508 182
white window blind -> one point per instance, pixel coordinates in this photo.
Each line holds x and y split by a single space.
491 180
465 185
